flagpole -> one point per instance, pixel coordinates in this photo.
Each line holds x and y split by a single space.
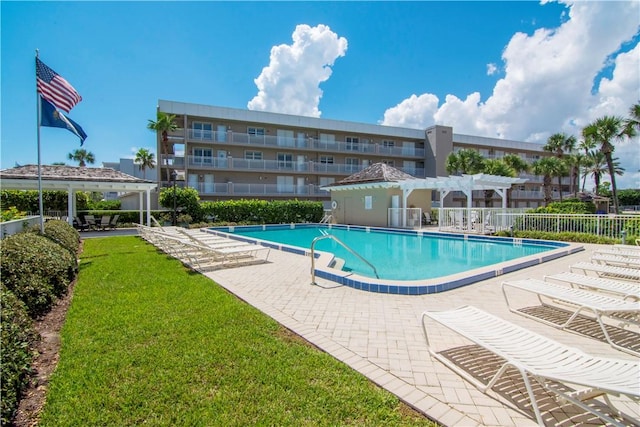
40 204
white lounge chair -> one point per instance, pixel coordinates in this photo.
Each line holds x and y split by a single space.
551 364
618 252
616 260
610 271
578 301
625 290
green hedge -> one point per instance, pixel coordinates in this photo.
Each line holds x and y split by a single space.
63 234
18 338
28 257
262 211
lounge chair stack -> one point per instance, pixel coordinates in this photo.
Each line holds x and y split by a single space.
203 255
604 293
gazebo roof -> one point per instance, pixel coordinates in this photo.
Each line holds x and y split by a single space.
380 175
78 178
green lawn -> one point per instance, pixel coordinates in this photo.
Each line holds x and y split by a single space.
147 341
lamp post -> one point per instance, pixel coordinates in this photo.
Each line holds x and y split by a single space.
174 176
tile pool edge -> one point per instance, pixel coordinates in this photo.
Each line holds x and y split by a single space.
405 287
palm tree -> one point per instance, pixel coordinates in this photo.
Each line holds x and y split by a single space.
164 124
548 167
597 166
604 132
495 167
559 144
575 162
518 164
465 161
82 156
632 123
144 159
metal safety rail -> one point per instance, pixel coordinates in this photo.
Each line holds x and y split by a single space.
340 242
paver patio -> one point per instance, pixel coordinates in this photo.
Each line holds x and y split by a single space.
380 335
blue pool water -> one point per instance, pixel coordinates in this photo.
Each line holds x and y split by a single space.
401 256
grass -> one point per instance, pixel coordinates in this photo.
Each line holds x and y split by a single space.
149 341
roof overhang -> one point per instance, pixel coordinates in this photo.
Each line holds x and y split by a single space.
450 183
65 185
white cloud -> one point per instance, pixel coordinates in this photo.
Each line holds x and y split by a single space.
548 81
491 69
290 84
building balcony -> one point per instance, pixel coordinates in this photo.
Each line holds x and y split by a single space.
252 189
277 166
299 143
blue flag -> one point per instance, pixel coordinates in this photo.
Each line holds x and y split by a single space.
51 117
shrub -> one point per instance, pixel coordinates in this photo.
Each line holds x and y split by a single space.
26 255
17 339
63 234
12 213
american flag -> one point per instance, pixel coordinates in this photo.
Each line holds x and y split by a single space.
54 88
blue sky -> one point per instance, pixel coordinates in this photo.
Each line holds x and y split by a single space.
516 70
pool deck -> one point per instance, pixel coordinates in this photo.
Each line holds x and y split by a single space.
380 336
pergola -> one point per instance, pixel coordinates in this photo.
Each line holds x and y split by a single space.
72 179
464 183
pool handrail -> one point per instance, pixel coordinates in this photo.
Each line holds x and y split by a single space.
340 242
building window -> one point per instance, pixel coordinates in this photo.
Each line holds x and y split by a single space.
285 160
387 162
253 155
327 138
368 202
201 130
326 160
255 131
352 143
202 156
388 143
352 164
326 180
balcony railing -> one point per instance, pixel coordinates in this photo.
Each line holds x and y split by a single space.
255 189
232 163
306 143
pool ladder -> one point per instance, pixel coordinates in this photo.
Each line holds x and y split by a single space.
340 242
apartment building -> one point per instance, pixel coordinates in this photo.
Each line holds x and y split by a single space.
227 153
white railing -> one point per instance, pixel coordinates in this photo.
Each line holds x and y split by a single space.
491 220
404 217
611 226
476 220
310 143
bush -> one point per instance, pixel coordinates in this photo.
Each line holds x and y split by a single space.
25 255
562 237
27 200
262 211
63 234
17 339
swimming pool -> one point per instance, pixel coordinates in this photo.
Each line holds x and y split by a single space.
421 262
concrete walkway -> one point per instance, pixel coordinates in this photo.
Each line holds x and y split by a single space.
380 335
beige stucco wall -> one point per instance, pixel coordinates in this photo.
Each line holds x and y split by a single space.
350 207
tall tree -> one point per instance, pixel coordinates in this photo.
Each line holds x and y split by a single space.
632 123
575 162
163 124
548 167
82 156
465 161
518 164
144 159
597 166
495 167
605 131
559 144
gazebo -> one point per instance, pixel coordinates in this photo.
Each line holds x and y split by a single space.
392 188
75 178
